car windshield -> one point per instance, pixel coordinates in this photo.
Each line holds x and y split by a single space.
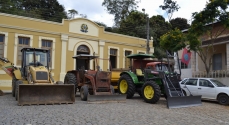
162 67
217 83
40 57
183 81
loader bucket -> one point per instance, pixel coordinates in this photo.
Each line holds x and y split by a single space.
106 98
45 94
183 101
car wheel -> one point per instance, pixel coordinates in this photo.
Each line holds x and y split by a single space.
223 99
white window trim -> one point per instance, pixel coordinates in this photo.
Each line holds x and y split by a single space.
124 50
5 48
53 47
112 47
16 45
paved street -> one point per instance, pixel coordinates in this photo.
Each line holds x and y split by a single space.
133 112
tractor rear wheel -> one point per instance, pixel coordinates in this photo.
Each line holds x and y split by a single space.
151 92
17 83
84 92
59 83
126 86
70 78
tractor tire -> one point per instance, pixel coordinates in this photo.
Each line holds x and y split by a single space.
59 83
84 92
90 91
13 86
18 82
70 78
126 86
223 99
151 92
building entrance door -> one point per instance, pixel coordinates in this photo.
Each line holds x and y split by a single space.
82 63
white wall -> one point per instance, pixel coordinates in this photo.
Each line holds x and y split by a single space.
223 80
186 73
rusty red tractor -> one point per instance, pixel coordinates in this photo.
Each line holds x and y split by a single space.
93 85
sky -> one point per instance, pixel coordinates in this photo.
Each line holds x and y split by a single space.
96 12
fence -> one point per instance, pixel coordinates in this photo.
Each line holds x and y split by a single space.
212 74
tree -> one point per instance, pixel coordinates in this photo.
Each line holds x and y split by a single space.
83 15
173 40
42 9
108 29
72 13
134 25
120 8
180 23
204 24
159 27
170 7
101 24
48 9
10 7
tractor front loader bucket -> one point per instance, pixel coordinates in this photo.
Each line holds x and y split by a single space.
175 96
106 98
45 94
183 101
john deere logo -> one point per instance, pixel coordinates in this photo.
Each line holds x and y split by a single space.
84 28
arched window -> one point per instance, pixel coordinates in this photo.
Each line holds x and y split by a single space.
83 48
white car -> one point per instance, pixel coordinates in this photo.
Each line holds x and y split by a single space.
208 88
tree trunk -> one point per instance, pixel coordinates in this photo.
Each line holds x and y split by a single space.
207 72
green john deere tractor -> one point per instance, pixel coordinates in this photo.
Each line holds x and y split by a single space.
151 79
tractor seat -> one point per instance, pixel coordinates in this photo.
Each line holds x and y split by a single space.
139 72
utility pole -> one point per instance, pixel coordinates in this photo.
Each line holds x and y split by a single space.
147 32
147 42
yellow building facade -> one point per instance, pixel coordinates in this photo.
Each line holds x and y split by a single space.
66 39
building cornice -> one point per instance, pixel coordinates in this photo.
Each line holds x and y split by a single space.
56 23
74 36
219 40
121 35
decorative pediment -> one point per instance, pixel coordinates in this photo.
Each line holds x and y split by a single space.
83 26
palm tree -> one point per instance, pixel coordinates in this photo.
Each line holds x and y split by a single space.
72 13
83 15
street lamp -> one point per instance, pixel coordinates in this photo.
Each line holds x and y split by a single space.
147 31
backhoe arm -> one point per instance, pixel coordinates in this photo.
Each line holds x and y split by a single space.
7 66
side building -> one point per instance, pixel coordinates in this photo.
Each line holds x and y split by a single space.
219 54
64 40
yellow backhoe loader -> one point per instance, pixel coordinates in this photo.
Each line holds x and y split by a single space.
32 83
